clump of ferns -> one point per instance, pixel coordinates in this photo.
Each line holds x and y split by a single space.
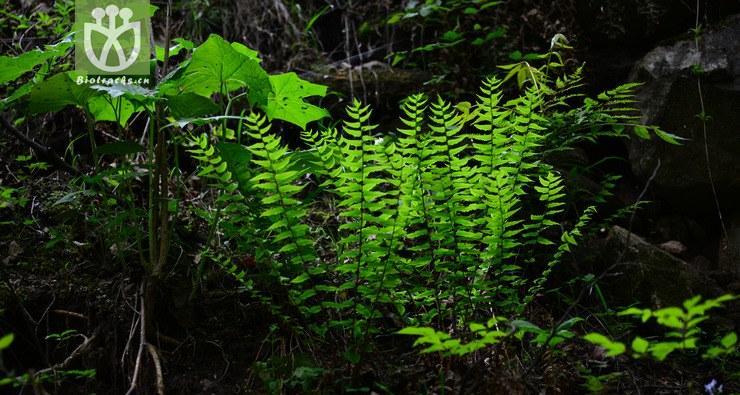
432 217
448 220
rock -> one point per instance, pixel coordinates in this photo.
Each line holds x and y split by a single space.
729 251
648 274
702 264
670 99
683 229
673 247
14 250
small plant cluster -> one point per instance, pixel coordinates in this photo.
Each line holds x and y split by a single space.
684 332
42 21
448 23
128 175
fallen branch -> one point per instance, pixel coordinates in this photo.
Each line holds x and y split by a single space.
70 314
42 151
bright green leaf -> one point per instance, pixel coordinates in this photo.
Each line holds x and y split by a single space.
6 341
729 340
612 348
190 105
640 345
287 100
217 67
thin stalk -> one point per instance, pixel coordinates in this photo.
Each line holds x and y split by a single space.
152 220
91 137
703 118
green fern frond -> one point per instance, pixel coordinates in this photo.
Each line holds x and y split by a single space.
281 203
569 240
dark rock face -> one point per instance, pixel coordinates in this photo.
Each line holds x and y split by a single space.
670 98
647 273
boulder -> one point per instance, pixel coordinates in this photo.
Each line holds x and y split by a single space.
670 98
646 274
729 250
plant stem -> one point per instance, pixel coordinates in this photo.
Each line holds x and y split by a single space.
91 137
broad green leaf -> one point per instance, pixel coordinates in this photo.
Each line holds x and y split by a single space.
668 137
218 67
190 105
300 279
414 331
119 102
104 108
246 51
287 100
642 132
525 325
59 92
134 93
180 45
661 350
13 67
18 94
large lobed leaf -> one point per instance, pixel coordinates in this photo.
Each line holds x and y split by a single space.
287 102
220 67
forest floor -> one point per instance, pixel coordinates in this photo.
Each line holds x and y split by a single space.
75 310
217 339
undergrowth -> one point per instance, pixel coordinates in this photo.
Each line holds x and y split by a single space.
451 219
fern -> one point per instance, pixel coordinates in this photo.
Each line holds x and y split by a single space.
551 196
569 240
365 222
454 216
281 205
